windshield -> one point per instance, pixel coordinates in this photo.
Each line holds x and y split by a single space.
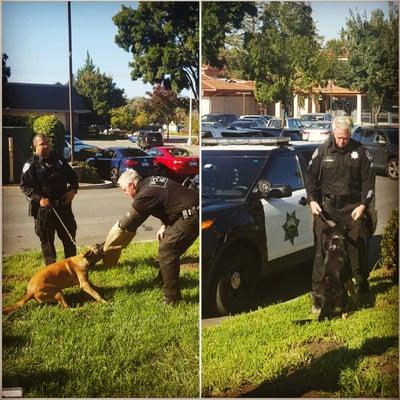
229 177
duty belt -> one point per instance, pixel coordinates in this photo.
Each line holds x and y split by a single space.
340 201
190 212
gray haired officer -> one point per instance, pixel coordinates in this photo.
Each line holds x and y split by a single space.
177 208
340 181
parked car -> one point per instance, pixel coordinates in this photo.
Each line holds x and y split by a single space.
259 120
245 123
175 162
221 118
218 131
82 151
382 143
148 139
290 123
113 161
308 119
255 217
318 131
266 118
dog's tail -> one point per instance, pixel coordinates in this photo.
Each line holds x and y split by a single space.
18 304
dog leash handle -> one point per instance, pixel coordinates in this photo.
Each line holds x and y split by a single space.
62 223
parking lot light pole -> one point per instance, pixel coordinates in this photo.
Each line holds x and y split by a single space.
71 129
189 142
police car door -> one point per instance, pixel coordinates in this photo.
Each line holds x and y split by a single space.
288 220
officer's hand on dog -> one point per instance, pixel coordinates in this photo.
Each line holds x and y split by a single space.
315 207
44 202
69 196
358 212
161 232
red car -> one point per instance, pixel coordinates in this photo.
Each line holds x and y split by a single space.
175 162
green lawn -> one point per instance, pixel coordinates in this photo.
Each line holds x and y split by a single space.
133 346
282 351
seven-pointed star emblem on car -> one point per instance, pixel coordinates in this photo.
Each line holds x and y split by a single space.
291 227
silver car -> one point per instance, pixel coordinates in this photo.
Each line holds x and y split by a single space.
308 119
317 132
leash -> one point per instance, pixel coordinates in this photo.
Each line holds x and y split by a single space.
62 223
324 217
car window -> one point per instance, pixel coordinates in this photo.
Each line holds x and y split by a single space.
132 152
393 135
108 153
284 168
178 152
367 137
229 176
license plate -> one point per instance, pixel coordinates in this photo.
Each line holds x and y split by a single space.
145 164
193 163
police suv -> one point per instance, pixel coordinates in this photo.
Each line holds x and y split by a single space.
255 216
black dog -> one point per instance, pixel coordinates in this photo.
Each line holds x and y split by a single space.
332 290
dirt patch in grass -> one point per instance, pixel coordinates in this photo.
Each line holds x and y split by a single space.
386 366
189 266
320 347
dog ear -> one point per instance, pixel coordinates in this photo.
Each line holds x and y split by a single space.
87 253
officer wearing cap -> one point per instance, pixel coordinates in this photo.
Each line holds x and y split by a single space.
340 181
177 208
49 183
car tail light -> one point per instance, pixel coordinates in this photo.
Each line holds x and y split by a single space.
178 162
131 163
305 135
325 133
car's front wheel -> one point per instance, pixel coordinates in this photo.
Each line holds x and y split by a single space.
392 168
235 285
114 175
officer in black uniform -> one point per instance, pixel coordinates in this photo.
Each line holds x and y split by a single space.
50 184
177 208
340 181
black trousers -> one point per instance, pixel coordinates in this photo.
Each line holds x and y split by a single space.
176 241
356 241
47 224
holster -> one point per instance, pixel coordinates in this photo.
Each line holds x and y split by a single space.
33 208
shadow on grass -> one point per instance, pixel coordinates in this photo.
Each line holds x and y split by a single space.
35 380
324 372
13 341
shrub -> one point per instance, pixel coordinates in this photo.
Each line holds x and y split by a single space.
52 127
89 174
390 241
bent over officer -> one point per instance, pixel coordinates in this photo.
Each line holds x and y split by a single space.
50 184
340 181
177 208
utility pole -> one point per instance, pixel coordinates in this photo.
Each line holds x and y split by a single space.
189 142
71 127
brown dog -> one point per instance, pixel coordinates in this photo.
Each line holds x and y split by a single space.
45 286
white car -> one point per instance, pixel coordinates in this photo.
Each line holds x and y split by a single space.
317 131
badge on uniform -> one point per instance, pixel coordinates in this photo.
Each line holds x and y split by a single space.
354 155
26 167
160 181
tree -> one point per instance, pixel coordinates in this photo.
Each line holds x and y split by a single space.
163 38
373 53
284 55
53 128
124 117
6 71
99 90
219 19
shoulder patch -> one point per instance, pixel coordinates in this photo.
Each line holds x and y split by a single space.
25 167
160 181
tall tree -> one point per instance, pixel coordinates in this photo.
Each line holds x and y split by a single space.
373 57
99 90
218 20
163 38
283 56
5 71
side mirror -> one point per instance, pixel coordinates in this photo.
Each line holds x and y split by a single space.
279 191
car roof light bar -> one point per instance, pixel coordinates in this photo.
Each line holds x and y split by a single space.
281 141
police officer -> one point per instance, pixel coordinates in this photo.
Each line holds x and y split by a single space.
177 208
340 181
50 184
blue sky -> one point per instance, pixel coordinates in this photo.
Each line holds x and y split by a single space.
35 37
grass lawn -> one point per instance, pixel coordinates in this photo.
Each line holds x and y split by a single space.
282 351
133 346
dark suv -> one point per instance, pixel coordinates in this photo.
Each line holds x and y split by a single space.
219 118
382 143
148 139
255 216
